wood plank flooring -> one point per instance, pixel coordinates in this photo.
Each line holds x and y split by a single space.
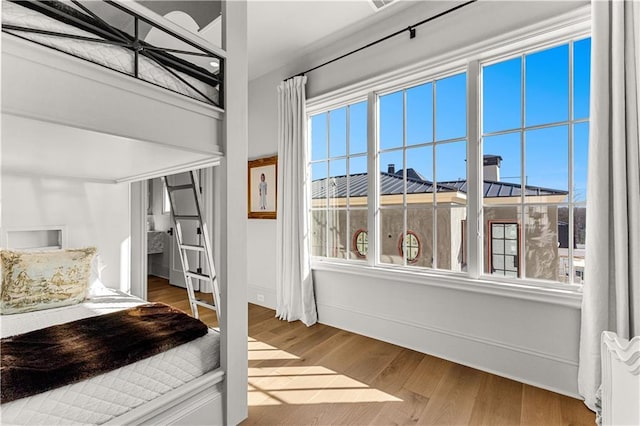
159 290
322 375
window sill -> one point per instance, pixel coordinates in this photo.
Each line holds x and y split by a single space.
525 290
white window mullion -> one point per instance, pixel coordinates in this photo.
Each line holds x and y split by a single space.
434 201
348 177
571 200
404 178
522 217
475 186
327 186
373 181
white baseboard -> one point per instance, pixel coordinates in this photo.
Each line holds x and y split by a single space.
542 370
263 296
159 270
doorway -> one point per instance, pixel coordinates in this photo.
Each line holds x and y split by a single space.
164 266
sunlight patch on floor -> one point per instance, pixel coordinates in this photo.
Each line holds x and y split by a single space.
304 384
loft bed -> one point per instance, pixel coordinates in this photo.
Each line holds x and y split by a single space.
129 97
87 100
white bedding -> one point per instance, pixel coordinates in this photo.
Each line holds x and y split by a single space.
114 57
104 397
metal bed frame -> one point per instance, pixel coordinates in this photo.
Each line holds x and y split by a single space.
85 19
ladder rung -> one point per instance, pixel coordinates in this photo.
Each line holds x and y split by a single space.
197 275
191 247
187 217
205 304
179 187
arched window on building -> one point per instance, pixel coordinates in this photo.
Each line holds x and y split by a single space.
360 243
412 244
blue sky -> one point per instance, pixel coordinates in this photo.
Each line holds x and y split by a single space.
547 101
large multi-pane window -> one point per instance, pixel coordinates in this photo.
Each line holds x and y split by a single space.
422 157
535 111
528 174
339 182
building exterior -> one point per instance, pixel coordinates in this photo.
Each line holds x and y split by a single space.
442 207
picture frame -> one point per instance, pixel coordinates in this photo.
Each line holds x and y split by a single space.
262 190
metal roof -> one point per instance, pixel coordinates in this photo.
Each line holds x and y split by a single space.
393 184
494 189
389 184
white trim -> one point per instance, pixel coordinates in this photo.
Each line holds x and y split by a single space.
536 36
462 349
373 213
199 164
73 125
233 214
456 334
138 206
475 227
35 173
520 290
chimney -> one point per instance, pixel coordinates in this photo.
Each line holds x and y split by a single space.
391 169
491 167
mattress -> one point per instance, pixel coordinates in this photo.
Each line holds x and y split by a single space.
115 57
104 397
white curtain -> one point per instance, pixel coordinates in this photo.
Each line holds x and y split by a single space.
294 284
611 299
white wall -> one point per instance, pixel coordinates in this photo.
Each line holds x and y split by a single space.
530 340
94 214
261 264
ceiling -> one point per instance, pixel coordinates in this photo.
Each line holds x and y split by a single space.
280 30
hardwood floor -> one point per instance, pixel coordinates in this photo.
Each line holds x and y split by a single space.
159 290
322 375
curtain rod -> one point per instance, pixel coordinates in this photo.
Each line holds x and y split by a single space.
410 28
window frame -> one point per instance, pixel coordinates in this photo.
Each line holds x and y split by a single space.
570 123
328 208
572 26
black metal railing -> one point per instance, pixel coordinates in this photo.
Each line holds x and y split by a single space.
109 23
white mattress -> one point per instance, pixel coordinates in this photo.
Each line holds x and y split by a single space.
114 57
104 397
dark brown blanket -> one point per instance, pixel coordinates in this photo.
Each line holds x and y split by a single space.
45 359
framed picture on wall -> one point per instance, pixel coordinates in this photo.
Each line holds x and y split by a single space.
262 190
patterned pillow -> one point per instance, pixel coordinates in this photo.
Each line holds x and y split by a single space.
35 280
